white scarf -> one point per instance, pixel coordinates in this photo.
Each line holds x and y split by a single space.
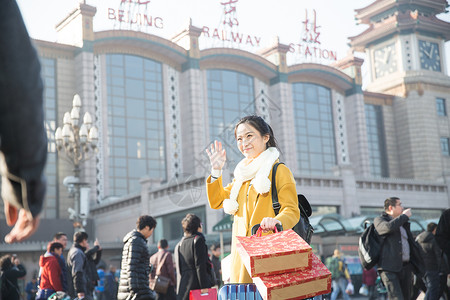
258 171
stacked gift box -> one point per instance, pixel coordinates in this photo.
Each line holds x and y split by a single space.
283 266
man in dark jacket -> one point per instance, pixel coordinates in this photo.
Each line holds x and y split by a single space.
431 254
399 254
135 267
76 263
93 257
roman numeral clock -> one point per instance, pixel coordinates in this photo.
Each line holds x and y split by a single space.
429 56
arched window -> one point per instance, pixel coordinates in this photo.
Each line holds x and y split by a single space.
316 151
376 141
136 138
230 97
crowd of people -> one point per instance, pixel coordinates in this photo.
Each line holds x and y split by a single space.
82 274
407 266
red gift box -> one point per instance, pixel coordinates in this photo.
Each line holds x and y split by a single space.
197 294
277 253
296 285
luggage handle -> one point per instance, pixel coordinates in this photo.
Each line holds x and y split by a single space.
257 230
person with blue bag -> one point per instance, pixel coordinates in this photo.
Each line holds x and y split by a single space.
248 197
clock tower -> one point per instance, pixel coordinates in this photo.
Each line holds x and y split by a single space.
404 47
404 42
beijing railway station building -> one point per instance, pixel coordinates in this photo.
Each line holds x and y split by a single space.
158 103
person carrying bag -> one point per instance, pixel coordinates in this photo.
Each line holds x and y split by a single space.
160 283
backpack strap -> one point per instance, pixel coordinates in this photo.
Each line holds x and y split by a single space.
275 204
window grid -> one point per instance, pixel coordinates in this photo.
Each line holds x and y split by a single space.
48 74
440 107
135 122
445 149
315 138
230 97
376 140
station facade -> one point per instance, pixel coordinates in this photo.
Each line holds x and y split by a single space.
158 103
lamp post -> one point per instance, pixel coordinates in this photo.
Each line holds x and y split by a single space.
78 144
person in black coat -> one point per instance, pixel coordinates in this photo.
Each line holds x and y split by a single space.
93 257
194 269
431 254
443 239
11 270
23 146
400 254
135 267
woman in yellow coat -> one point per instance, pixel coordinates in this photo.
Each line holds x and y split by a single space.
249 196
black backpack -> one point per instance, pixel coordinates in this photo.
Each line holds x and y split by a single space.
369 248
302 228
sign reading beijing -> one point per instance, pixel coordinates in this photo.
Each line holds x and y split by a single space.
134 13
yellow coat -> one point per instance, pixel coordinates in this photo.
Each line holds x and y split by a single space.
252 209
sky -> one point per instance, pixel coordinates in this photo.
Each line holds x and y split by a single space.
260 21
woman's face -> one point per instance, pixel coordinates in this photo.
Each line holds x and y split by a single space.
249 141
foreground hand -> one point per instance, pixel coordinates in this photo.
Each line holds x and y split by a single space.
268 224
80 295
24 227
203 291
217 155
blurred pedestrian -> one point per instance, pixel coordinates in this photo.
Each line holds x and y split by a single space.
340 277
50 271
400 254
61 237
11 271
443 239
93 256
100 292
135 267
76 263
215 259
369 278
162 263
31 289
111 284
23 146
431 254
194 269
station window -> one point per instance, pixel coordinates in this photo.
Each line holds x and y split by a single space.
440 107
445 146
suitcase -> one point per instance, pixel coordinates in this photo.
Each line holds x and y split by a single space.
239 292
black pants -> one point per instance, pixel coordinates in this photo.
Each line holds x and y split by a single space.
170 295
398 284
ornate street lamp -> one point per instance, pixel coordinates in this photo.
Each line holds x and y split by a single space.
78 144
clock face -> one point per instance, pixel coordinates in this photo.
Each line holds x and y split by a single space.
429 56
385 60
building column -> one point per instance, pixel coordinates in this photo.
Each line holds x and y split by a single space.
77 30
193 105
355 129
281 107
350 205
